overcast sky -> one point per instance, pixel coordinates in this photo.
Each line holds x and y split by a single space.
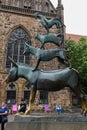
75 16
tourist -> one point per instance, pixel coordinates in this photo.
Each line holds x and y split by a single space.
47 108
22 106
3 114
58 108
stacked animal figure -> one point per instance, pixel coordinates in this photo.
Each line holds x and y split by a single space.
57 39
53 80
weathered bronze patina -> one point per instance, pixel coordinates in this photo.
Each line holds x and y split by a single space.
44 80
48 23
57 39
47 55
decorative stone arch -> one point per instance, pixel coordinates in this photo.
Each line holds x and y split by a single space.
15 46
11 93
15 27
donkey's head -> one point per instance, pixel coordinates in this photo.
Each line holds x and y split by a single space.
12 75
26 49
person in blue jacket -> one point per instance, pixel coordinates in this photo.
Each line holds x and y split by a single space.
3 114
58 108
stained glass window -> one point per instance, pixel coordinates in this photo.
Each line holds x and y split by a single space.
16 46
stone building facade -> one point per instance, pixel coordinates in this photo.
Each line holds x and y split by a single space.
17 26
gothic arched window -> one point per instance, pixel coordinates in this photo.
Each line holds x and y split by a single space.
16 46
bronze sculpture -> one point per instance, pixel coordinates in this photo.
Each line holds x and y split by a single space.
48 23
44 80
57 39
47 55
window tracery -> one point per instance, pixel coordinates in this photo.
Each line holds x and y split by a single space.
16 47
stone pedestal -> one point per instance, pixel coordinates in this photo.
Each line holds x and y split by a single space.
57 122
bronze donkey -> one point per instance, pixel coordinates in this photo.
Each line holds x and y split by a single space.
44 80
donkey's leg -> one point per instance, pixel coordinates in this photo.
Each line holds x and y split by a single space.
31 101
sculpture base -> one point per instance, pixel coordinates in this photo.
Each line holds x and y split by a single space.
45 122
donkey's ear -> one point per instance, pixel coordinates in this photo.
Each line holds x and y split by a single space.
14 63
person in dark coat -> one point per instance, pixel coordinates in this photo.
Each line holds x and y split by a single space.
22 106
3 114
